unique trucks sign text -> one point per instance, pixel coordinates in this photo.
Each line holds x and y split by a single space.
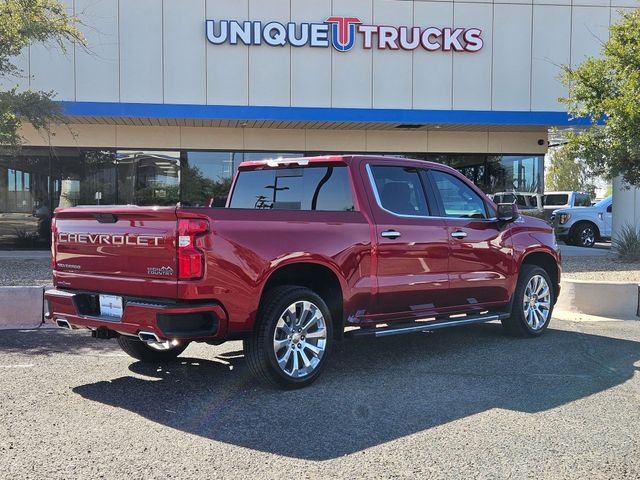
341 33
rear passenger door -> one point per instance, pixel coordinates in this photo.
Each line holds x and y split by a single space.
412 246
481 253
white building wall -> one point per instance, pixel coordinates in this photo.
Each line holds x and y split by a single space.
97 68
141 60
155 51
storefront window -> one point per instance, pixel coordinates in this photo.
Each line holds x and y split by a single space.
33 182
148 178
207 177
25 212
516 173
83 177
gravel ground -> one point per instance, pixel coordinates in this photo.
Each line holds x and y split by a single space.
608 268
22 271
462 403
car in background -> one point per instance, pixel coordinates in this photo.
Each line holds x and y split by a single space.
584 226
556 200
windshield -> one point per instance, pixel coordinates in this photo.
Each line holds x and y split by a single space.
556 199
603 202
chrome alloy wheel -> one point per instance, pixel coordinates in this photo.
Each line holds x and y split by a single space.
300 339
537 302
587 237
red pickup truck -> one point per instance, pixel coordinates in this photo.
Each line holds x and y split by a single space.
307 251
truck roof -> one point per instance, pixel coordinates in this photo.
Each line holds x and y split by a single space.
336 159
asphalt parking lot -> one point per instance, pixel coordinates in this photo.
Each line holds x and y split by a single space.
463 403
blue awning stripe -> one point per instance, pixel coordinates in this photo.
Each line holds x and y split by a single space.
317 114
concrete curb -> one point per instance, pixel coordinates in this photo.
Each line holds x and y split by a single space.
581 317
21 307
593 300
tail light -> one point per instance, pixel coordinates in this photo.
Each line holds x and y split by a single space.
53 244
190 257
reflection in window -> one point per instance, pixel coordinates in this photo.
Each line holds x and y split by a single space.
458 199
25 211
84 178
207 177
516 173
148 178
314 188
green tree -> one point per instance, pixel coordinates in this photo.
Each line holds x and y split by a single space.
567 173
23 22
607 91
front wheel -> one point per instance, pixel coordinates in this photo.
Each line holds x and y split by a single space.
584 235
161 352
532 303
293 337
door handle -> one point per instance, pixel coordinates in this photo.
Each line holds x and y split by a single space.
392 234
459 235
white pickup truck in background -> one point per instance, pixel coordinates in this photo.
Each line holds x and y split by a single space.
556 200
584 226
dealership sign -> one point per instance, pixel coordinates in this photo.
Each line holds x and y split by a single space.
341 33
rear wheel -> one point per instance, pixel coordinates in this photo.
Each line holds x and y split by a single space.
532 304
293 337
150 352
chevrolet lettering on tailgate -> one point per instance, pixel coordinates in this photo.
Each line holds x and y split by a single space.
106 239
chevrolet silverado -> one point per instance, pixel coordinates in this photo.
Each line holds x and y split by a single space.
306 252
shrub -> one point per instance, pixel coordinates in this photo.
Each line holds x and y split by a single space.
626 244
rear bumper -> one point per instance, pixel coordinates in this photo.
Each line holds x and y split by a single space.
168 320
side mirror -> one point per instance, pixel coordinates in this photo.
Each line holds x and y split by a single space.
508 212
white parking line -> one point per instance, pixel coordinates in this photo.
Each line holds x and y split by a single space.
17 366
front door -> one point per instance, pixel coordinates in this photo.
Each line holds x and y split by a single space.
481 258
607 217
412 246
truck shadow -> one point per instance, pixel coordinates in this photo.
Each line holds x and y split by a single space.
374 391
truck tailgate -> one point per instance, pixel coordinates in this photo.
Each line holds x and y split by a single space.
127 250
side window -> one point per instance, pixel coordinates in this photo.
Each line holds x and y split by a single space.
458 199
583 200
399 190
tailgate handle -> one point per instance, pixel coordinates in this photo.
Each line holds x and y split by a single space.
106 218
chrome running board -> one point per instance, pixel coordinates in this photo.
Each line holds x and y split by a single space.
426 326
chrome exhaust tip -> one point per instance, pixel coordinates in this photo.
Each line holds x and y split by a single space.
62 323
149 337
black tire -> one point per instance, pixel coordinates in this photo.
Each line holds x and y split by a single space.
143 352
259 348
516 324
584 234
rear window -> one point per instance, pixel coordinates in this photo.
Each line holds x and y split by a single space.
556 199
313 188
